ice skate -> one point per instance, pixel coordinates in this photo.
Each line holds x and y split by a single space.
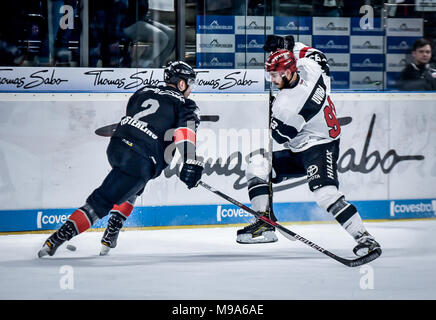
366 244
257 232
110 236
65 233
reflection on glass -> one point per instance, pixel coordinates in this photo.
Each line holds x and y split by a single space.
367 43
128 34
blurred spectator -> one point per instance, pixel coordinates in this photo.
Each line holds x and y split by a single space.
63 35
23 33
222 7
11 30
418 75
158 40
122 35
105 32
256 8
327 8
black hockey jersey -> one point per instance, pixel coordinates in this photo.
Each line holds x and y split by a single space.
155 118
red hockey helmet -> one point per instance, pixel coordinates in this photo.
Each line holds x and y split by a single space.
280 61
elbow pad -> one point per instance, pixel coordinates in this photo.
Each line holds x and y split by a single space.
282 132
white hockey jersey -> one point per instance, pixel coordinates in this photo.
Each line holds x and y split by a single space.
308 108
301 51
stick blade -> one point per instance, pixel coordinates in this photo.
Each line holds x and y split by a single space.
363 260
209 118
106 131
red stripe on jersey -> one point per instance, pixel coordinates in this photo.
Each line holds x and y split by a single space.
304 51
80 220
185 134
124 209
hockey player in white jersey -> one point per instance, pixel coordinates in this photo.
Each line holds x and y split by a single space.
303 121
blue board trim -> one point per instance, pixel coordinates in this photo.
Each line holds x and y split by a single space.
186 215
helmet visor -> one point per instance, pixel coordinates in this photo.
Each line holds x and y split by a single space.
274 76
191 83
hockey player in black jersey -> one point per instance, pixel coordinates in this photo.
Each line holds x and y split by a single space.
303 121
138 151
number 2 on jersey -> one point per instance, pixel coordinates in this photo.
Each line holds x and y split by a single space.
150 106
331 120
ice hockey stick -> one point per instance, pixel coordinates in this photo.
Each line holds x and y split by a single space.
292 235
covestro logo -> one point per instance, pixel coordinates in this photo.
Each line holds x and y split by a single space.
418 208
222 213
49 219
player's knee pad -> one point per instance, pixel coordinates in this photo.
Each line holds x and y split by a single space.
257 174
258 167
326 196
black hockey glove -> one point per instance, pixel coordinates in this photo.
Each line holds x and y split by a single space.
191 172
281 132
274 43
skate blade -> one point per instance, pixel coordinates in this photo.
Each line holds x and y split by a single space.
43 252
104 251
267 237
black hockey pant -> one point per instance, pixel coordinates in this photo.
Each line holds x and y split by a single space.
129 175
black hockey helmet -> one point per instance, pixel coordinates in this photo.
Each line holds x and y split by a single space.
174 71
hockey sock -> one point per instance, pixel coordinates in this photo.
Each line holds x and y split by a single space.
83 218
346 214
258 192
124 209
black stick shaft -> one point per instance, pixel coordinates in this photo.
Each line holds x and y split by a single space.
270 152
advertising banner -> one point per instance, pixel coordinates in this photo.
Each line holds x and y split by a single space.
366 44
339 62
219 43
400 27
216 24
250 43
340 80
367 62
253 25
293 25
400 44
335 26
250 60
366 80
33 79
332 44
366 27
349 37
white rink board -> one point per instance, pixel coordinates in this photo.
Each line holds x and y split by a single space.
50 156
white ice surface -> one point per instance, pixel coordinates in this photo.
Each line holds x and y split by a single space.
196 264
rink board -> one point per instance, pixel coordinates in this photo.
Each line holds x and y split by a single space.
51 159
163 216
